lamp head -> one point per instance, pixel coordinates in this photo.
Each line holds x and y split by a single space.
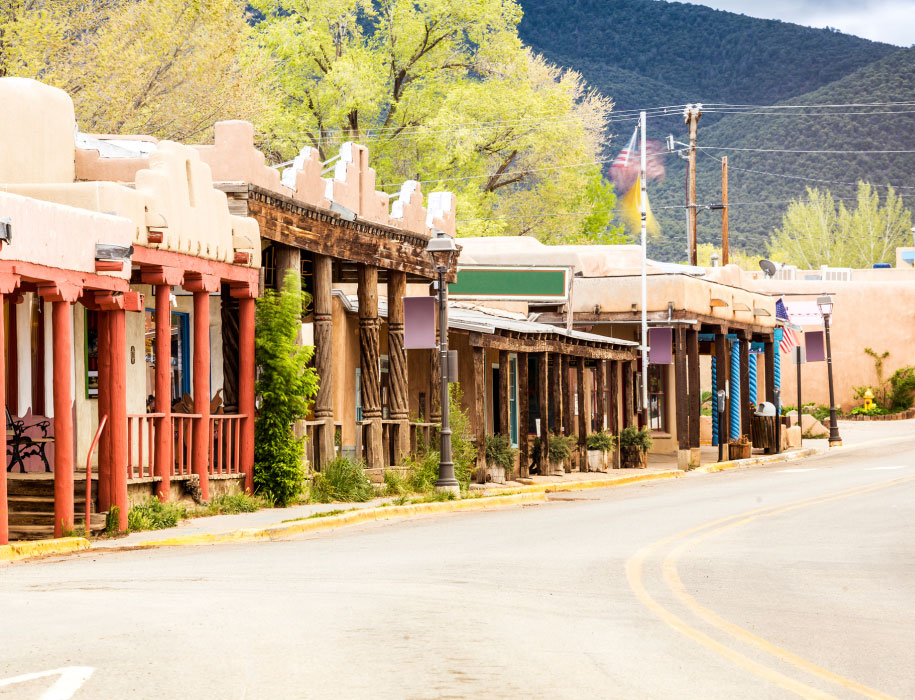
825 304
442 248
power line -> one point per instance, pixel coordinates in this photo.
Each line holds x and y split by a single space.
801 150
808 114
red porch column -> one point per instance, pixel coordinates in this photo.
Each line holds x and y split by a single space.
246 381
7 284
117 413
202 286
104 409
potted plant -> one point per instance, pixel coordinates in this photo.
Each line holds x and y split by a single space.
560 449
500 458
634 446
600 445
740 449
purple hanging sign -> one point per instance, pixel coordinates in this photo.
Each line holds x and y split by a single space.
816 346
419 323
659 343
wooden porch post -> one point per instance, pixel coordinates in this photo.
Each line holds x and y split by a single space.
616 407
104 409
744 340
769 360
163 390
695 393
523 416
556 396
117 413
681 391
543 385
202 286
7 285
63 416
479 400
504 419
246 373
324 359
287 258
600 375
398 375
369 361
721 363
582 414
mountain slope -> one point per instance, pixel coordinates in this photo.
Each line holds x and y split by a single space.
891 79
715 56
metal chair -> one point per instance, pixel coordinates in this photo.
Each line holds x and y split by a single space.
20 446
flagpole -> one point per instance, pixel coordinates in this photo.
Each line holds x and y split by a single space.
643 206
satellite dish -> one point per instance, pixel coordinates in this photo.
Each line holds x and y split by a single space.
768 267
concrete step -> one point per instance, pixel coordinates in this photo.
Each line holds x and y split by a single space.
25 517
40 504
27 486
46 531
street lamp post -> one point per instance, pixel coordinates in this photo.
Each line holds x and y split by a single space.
825 304
443 249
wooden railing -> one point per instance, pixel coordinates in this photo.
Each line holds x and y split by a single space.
225 441
307 429
183 430
141 444
425 434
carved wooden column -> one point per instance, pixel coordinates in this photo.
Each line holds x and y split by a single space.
369 361
695 392
543 385
744 339
398 375
616 407
324 361
568 396
554 417
769 364
600 375
479 410
681 392
582 414
504 418
287 258
524 410
721 363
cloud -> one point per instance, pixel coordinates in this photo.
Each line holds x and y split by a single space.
890 21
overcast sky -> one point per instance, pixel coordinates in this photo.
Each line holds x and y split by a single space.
890 21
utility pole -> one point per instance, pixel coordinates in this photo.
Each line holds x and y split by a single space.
691 116
643 211
724 211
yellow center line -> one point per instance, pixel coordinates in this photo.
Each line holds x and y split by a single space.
635 566
672 578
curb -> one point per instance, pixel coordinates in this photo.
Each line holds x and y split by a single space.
559 486
756 461
39 548
354 517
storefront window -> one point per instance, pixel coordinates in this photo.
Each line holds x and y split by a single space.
657 401
180 370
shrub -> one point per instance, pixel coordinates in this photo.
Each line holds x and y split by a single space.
500 453
463 449
155 515
396 484
902 389
603 441
874 410
285 387
342 479
633 437
232 503
560 447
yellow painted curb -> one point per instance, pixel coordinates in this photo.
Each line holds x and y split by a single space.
352 517
756 461
39 548
557 486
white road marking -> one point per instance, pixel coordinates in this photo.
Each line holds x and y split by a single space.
794 471
877 469
71 679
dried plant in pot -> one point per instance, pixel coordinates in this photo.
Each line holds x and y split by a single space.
741 448
600 446
634 446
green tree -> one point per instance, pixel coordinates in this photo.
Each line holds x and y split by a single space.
286 386
445 93
815 232
169 68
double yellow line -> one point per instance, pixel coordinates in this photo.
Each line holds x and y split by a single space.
689 538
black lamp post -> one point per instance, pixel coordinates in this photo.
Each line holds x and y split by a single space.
825 304
443 250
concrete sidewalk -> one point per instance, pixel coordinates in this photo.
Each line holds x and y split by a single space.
660 466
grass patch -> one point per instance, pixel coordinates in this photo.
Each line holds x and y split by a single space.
322 514
396 484
155 515
230 504
342 480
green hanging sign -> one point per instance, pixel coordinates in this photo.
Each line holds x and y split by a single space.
506 283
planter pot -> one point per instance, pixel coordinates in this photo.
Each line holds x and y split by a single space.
738 451
557 467
597 460
495 474
633 458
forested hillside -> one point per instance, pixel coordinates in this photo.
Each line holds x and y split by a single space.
891 79
644 53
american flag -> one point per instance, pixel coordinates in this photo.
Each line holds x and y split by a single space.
789 339
624 170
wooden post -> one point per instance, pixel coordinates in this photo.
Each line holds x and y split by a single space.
616 407
324 360
744 340
504 419
600 376
117 416
287 258
681 391
582 415
398 376
163 390
104 409
721 363
63 416
543 385
479 401
369 361
695 393
246 374
201 387
769 360
554 417
4 497
692 118
524 409
724 212
568 394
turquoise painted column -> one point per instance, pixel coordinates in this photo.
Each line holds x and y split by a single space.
734 432
753 357
714 403
778 359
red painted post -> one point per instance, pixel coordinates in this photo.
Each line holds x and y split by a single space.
104 391
246 389
63 417
163 389
4 502
118 413
201 375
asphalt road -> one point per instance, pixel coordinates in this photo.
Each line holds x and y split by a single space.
776 582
